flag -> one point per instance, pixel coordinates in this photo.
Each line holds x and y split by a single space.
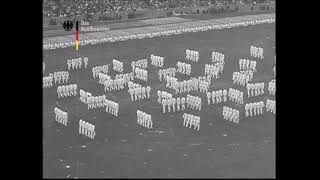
77 36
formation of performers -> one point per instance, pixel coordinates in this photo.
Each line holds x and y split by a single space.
272 87
156 61
184 68
101 101
67 90
87 129
169 103
94 102
212 70
242 78
255 89
192 55
217 96
166 72
117 65
163 95
144 119
76 63
61 116
111 107
103 77
84 96
141 74
217 57
114 84
137 92
254 109
166 99
47 82
194 102
97 69
256 52
201 83
271 106
191 120
235 96
141 63
246 64
231 114
60 76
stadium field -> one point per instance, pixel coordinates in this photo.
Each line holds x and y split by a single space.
124 149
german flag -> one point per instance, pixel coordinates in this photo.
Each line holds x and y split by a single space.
77 35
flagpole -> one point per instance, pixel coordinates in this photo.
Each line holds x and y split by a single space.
77 49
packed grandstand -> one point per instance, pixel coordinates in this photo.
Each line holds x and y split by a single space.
68 8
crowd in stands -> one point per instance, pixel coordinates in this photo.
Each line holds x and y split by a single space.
69 8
